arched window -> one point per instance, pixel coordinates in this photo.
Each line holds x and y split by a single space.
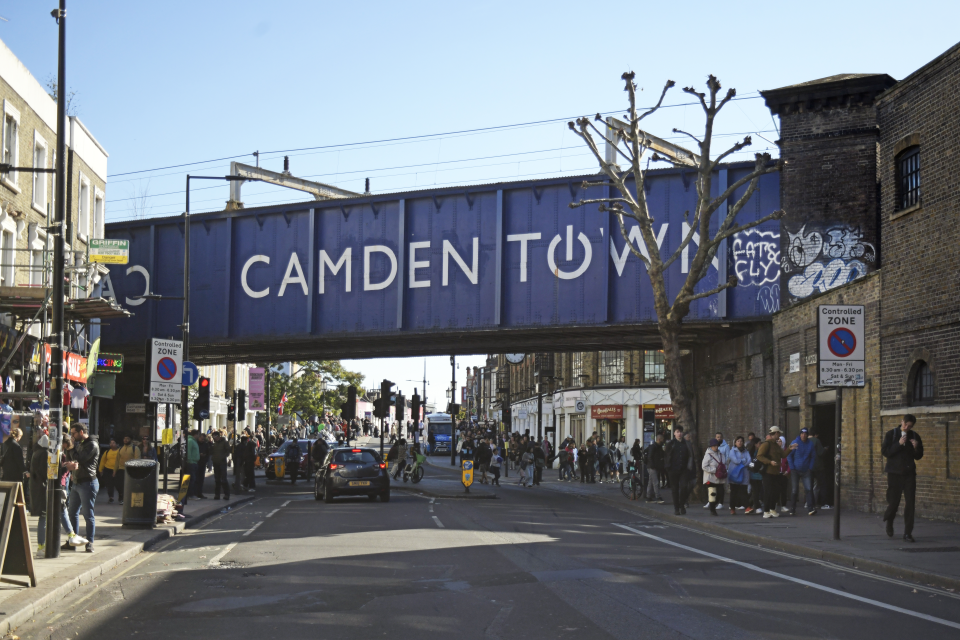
922 387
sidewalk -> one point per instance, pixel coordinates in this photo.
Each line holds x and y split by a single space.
57 577
934 559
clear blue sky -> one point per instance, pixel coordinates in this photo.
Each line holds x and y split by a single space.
174 82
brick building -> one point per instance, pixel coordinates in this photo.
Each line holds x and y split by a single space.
28 138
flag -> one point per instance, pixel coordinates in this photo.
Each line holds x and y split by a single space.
283 401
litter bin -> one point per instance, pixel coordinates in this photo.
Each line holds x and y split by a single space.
140 494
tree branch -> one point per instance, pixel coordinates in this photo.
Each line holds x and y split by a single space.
730 283
747 141
690 135
580 203
776 215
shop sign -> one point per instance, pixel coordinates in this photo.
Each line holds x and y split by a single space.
75 367
607 412
110 363
663 412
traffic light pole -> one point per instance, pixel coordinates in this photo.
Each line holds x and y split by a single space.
52 539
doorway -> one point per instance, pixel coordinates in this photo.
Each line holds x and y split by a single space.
825 427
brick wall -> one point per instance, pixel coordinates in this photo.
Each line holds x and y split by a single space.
921 309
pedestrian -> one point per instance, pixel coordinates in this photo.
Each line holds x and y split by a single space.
292 458
714 475
738 474
484 454
622 450
902 447
203 446
107 468
12 466
771 454
82 464
219 452
801 461
755 470
723 449
539 463
38 501
127 452
190 467
526 467
401 457
147 450
676 460
495 461
655 468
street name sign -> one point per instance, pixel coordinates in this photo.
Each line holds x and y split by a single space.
166 363
840 348
109 251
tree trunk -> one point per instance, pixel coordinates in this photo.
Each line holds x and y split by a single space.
676 383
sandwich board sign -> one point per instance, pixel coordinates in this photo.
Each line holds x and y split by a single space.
840 345
16 557
166 370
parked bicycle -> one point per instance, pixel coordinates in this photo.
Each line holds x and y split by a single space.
632 484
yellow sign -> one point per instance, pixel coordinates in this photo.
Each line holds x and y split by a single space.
166 437
184 486
136 499
467 473
53 464
109 251
279 468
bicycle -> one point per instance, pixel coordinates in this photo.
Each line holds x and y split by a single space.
414 472
631 485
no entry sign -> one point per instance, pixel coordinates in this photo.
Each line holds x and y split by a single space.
840 352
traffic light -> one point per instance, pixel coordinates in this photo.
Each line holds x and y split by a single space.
454 410
201 406
400 406
349 410
377 408
231 413
241 405
415 406
385 393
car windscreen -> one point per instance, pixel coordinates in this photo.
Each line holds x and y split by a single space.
441 428
365 457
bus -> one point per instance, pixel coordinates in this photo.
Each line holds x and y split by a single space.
441 427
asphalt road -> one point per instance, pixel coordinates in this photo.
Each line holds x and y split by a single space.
533 564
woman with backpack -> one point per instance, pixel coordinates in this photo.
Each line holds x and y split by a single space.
714 474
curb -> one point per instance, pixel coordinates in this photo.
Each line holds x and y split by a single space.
842 559
41 597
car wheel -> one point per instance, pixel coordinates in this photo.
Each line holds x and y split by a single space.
316 491
385 496
372 497
327 494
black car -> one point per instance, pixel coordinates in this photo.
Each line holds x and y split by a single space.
349 471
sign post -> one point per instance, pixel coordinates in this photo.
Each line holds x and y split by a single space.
166 365
840 363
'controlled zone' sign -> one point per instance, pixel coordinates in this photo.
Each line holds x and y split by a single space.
840 345
166 362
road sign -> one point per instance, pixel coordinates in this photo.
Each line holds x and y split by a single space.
190 374
840 345
581 406
109 251
467 473
166 361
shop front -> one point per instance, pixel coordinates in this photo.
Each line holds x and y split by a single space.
608 421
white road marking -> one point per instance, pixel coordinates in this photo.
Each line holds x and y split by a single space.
432 500
805 583
431 508
272 512
285 503
252 529
439 524
215 560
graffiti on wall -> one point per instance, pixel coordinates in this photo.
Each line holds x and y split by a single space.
756 257
822 259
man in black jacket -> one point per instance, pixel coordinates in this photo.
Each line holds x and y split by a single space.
82 462
655 461
676 459
902 448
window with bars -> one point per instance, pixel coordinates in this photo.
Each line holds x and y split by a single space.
611 367
576 369
653 367
922 384
908 178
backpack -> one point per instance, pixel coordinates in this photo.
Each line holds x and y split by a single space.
721 471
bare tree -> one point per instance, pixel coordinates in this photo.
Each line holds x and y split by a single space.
138 203
638 149
73 104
